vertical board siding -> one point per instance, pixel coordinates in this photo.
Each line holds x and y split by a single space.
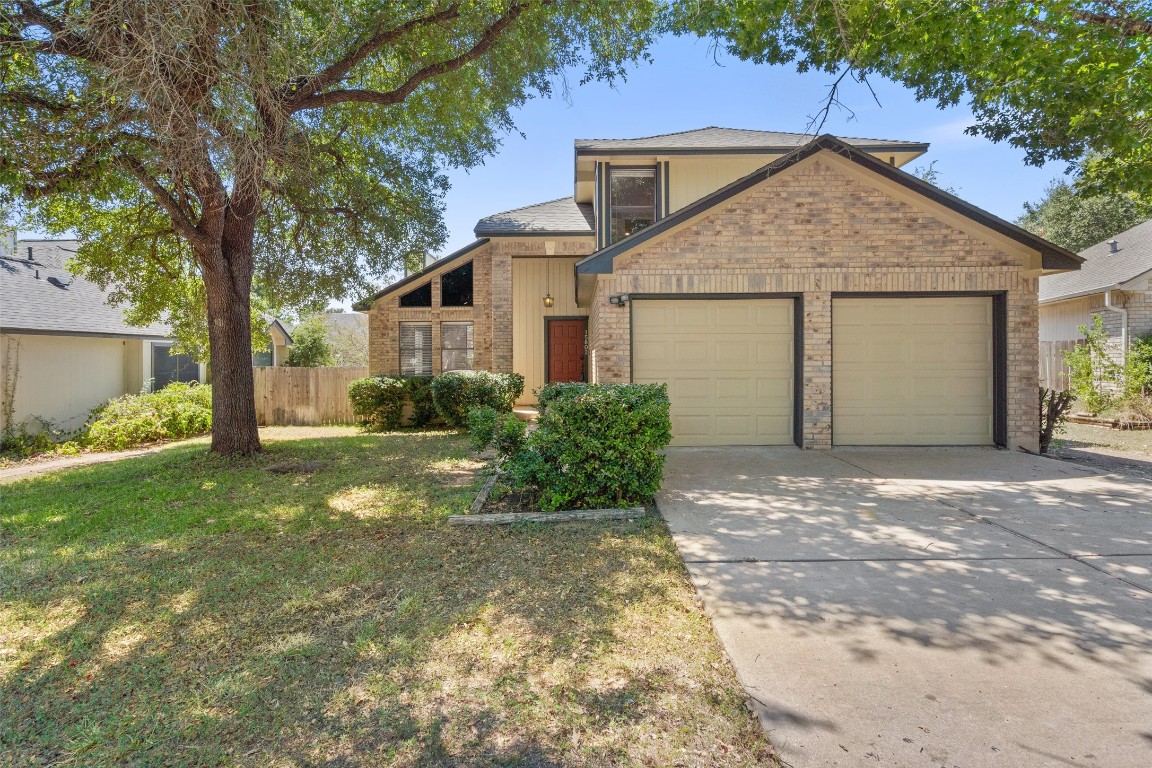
304 396
1053 369
531 280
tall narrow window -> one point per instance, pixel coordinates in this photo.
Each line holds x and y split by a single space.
632 205
456 287
415 349
418 297
456 347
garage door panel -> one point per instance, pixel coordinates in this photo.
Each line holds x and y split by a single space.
728 364
914 371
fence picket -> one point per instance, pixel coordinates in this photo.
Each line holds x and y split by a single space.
304 396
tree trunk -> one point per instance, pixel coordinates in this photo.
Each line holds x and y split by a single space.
228 283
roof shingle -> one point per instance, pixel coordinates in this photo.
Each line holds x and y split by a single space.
41 296
561 215
1103 269
714 137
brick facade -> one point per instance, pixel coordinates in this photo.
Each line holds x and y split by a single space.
491 313
814 230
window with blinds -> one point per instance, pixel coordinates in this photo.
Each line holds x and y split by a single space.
415 349
456 346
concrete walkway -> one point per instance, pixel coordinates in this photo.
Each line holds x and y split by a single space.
926 607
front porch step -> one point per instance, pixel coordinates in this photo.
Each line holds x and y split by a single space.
526 413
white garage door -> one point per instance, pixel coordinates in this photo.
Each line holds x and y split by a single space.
915 371
728 364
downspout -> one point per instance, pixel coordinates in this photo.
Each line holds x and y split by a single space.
1123 311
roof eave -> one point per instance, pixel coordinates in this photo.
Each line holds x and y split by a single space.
490 233
424 272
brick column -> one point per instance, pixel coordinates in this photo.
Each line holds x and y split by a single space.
817 367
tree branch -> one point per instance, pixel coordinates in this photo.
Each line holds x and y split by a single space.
336 71
1125 25
414 81
177 213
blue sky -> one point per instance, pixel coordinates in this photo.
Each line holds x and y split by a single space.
684 88
687 86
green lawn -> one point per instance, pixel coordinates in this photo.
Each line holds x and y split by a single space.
311 606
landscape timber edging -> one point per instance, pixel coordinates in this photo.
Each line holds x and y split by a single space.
506 518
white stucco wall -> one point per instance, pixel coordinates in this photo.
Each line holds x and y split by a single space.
62 378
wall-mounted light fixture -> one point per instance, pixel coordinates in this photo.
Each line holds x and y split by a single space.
548 300
619 299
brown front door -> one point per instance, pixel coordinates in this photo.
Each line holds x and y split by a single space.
566 350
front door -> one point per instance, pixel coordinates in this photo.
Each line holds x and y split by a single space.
566 349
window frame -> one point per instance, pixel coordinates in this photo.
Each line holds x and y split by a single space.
472 287
470 348
650 171
412 351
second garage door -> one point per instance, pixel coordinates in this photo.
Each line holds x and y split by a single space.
728 363
912 371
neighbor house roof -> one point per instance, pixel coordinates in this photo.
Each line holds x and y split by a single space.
1103 270
563 216
40 296
730 139
1053 256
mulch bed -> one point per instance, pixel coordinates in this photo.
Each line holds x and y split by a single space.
505 499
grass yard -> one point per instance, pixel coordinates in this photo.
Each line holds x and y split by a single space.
311 606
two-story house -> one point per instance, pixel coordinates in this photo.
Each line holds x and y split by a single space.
788 289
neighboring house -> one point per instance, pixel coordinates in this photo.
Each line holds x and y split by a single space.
279 343
788 289
1115 282
66 347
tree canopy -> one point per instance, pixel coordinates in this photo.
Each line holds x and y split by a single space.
212 151
1076 219
1065 80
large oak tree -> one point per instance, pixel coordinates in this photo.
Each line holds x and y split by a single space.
212 151
1065 80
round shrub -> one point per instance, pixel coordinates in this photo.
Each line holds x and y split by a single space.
378 401
455 394
597 445
173 413
420 395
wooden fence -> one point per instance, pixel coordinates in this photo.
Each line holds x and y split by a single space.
304 396
1053 369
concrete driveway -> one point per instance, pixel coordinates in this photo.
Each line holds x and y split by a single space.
926 607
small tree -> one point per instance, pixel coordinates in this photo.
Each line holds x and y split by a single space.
310 345
1090 367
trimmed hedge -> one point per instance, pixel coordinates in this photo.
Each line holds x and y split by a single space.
455 394
175 412
596 445
379 402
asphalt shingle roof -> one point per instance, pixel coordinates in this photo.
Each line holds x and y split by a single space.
1103 269
561 215
40 295
714 137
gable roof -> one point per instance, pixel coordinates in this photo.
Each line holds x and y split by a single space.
730 140
43 297
563 216
1102 269
1052 255
364 304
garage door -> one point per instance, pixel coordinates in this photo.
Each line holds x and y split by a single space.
914 371
728 364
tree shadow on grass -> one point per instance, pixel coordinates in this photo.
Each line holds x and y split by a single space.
188 610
